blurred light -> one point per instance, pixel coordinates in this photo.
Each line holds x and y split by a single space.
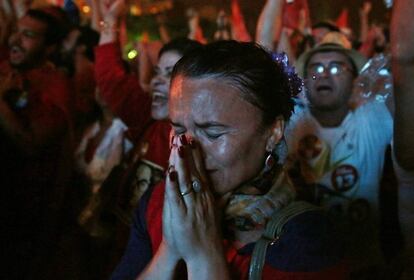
132 54
388 3
86 9
383 72
135 10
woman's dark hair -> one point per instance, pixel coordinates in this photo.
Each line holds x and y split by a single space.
262 80
88 38
180 45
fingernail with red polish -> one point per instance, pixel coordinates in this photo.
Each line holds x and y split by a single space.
192 144
183 139
172 141
173 176
181 152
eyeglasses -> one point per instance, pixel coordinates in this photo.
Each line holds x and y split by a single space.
334 69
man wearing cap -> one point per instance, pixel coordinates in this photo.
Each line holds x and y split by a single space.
337 153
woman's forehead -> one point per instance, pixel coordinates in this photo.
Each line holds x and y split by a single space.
208 98
169 59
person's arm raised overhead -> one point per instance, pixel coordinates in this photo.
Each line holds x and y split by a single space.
111 14
269 25
21 7
120 90
96 16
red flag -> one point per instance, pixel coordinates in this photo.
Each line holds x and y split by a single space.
239 29
291 13
342 20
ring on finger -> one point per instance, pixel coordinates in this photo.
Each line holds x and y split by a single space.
184 193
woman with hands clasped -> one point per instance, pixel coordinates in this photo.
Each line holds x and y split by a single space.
226 209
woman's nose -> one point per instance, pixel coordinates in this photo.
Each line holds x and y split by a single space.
158 79
154 81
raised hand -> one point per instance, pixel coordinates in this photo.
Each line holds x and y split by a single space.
21 7
112 10
366 8
196 33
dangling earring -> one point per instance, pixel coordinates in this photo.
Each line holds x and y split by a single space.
277 155
269 162
265 180
272 165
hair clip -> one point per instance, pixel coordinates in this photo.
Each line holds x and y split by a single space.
295 83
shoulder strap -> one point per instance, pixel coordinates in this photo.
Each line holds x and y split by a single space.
273 232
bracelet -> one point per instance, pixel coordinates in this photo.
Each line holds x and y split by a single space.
106 28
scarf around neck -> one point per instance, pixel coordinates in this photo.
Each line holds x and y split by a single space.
251 206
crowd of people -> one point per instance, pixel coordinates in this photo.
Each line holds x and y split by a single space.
284 155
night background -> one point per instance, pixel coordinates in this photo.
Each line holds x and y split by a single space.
145 10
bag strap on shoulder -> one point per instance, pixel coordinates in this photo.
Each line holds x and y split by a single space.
273 233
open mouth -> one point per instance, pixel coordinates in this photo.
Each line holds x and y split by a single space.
16 53
324 88
158 98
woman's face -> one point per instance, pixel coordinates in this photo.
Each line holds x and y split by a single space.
160 84
227 127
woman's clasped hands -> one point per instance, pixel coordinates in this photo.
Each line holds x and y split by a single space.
191 226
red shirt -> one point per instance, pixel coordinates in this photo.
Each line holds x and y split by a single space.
49 105
33 184
124 96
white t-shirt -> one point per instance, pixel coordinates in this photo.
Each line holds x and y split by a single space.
348 159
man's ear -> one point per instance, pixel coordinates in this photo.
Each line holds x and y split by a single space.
275 133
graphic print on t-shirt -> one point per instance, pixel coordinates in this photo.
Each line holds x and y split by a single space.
344 178
313 163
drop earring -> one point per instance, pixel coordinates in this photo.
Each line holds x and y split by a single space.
269 162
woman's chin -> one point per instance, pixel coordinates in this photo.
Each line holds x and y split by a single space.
159 112
219 186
